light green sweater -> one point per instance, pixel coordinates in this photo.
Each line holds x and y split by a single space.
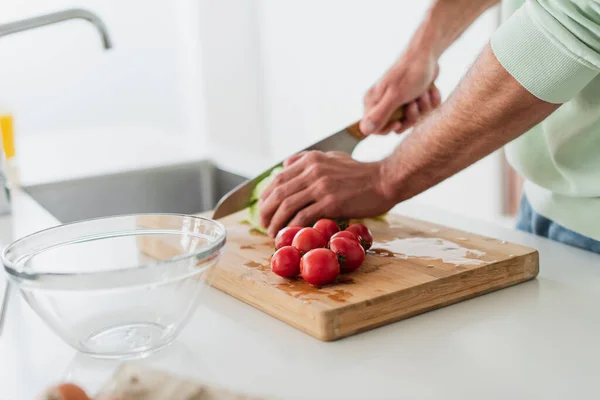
552 48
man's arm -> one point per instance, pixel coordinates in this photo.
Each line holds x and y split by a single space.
547 52
446 20
488 109
409 78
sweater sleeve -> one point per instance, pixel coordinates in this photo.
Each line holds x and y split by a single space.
551 47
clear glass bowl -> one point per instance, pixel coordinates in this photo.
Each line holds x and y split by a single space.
120 286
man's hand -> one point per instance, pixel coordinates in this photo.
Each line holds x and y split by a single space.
408 82
315 185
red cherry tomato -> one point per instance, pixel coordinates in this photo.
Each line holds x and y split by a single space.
286 236
308 239
66 391
327 227
364 233
286 262
346 235
319 267
350 253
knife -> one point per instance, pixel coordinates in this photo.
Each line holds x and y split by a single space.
345 140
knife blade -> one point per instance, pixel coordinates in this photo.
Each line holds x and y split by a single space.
345 140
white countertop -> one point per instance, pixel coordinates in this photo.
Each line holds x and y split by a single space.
535 340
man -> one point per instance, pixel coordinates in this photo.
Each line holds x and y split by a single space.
535 87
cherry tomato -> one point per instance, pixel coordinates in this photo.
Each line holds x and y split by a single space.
286 262
66 391
327 227
350 253
346 235
364 233
308 239
319 267
286 236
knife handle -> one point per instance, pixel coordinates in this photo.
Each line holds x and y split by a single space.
354 129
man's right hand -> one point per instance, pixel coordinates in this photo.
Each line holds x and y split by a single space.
408 82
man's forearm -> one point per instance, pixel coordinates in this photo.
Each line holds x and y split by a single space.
444 22
488 109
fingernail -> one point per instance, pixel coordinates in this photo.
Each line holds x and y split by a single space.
367 126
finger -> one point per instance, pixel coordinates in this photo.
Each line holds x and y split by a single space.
287 174
373 95
369 98
380 114
435 96
396 127
288 208
278 195
337 154
411 114
424 103
308 215
386 129
292 159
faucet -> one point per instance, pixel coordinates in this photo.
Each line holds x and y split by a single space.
32 23
53 18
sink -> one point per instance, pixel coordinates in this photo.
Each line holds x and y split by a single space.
184 188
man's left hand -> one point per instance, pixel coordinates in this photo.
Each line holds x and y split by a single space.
314 185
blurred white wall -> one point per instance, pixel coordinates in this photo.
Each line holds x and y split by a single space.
258 76
58 77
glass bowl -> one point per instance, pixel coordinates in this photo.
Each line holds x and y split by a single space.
118 287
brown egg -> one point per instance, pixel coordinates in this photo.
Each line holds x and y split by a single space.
65 391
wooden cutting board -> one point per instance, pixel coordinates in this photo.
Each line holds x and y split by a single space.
413 267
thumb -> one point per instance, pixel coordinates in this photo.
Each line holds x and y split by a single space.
379 115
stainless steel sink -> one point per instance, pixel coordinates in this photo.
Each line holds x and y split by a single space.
184 188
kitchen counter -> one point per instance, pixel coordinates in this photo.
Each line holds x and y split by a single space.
535 340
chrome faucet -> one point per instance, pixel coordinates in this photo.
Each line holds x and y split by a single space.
32 23
53 18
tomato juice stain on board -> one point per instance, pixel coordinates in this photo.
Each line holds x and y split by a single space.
255 265
300 289
381 252
339 295
426 248
368 268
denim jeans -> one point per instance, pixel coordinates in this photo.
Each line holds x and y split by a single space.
532 222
